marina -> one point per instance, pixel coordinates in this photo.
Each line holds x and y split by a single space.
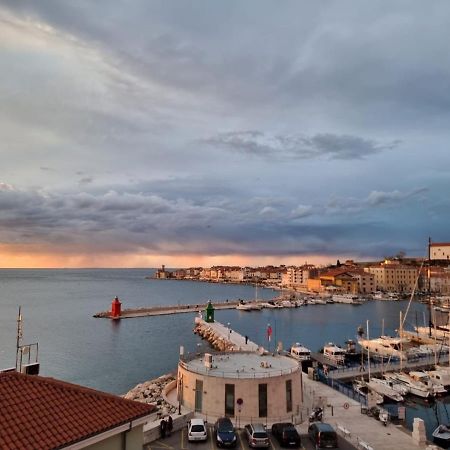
119 344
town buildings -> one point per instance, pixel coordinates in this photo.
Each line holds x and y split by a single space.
394 276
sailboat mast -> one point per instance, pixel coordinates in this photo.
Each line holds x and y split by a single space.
430 322
401 342
368 349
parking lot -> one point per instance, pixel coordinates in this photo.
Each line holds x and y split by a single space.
178 441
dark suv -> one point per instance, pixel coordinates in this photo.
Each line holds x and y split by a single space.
286 434
224 432
323 435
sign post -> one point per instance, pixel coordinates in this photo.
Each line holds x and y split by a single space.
239 403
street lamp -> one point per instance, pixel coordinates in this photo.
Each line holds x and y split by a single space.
229 331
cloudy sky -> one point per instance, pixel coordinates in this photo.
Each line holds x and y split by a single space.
137 133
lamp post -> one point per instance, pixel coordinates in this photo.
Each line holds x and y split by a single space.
229 331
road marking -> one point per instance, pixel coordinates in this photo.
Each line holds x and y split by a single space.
271 443
212 439
182 440
239 437
161 445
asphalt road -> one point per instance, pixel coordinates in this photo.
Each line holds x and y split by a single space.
178 441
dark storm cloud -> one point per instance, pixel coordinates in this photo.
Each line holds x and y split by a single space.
136 221
303 147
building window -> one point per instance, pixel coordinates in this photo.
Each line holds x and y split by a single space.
229 399
262 397
288 395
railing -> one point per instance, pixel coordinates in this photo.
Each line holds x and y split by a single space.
259 373
342 388
427 360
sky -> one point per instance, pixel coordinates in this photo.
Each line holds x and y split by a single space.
140 133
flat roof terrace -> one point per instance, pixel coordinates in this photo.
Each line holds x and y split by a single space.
243 365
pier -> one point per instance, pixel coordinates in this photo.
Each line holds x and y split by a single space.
223 338
165 310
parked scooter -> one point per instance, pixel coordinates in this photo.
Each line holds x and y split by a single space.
316 415
384 417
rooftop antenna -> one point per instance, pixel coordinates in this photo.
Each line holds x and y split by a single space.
19 335
28 367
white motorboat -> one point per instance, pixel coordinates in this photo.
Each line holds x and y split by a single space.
383 388
244 307
441 375
347 298
269 305
423 377
364 390
320 301
300 352
415 387
250 306
287 304
395 385
334 353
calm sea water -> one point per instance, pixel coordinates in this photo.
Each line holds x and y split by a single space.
58 306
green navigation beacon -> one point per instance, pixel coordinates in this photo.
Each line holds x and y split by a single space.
209 312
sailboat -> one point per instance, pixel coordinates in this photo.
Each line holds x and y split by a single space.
251 305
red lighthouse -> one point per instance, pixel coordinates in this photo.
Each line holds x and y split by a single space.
115 308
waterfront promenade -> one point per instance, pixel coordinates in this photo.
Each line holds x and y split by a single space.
346 417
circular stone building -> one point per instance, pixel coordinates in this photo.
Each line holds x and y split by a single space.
245 385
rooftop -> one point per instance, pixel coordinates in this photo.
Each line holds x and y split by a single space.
244 365
44 413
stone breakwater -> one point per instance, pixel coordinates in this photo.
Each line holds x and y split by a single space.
151 392
217 341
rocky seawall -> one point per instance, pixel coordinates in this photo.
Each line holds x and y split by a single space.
216 341
151 392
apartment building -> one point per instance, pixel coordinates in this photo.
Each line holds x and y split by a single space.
393 276
440 280
297 276
439 251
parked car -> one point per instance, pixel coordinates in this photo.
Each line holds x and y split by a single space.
256 435
323 435
224 432
286 434
197 430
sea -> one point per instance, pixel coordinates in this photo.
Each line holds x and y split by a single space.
58 305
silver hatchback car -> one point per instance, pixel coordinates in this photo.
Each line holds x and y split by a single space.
257 435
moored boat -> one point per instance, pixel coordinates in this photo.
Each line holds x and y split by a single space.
300 352
334 353
383 388
414 387
347 298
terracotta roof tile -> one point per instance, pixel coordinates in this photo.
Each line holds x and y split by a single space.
44 413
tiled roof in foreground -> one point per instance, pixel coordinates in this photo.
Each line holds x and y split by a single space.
44 413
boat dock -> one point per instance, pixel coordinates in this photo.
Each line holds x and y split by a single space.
346 416
348 373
